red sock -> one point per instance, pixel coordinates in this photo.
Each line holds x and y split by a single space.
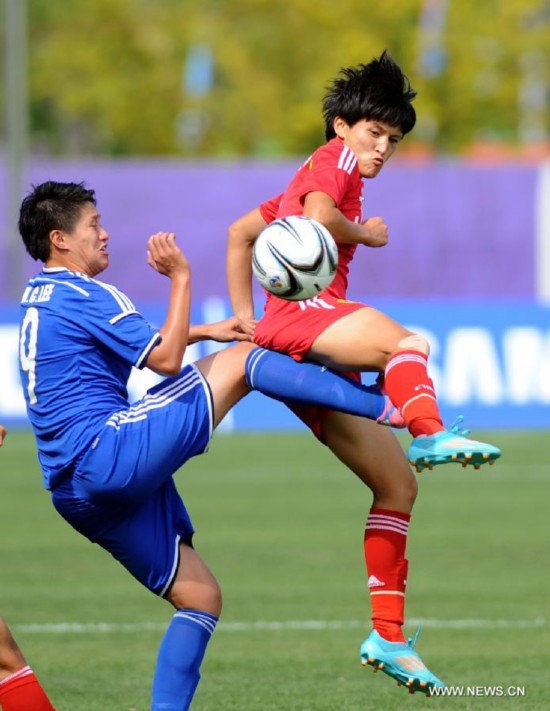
21 691
411 389
385 543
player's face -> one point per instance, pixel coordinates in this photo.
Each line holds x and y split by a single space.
85 247
373 142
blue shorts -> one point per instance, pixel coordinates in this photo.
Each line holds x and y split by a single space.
121 494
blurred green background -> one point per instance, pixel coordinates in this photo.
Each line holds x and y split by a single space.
246 77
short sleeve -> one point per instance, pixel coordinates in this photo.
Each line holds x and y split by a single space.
111 318
269 208
329 172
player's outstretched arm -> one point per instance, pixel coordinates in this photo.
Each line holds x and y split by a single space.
241 238
3 433
164 255
221 331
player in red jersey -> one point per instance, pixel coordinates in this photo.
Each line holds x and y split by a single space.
367 112
19 687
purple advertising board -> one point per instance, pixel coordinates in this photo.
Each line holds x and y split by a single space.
456 230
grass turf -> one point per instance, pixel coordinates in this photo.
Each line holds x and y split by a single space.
280 522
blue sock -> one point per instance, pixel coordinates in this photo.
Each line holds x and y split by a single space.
179 659
282 378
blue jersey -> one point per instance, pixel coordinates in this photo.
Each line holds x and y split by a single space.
79 339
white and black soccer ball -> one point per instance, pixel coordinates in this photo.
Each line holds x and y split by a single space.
295 258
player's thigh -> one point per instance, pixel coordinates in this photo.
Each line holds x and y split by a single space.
224 372
194 585
373 454
140 448
145 537
363 339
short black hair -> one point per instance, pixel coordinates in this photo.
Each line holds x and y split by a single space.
50 206
377 91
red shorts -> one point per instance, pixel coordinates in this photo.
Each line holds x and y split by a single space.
290 328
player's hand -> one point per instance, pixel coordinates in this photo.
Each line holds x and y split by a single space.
3 433
376 232
164 255
247 325
227 330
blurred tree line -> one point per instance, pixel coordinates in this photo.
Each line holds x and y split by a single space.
246 77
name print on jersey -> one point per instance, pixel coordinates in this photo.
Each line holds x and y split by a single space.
38 294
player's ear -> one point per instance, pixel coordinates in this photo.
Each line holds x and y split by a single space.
340 127
58 239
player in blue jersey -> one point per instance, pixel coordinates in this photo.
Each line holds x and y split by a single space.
109 464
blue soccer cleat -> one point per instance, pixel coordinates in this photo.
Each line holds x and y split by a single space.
400 661
427 451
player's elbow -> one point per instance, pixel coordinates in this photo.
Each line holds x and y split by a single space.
166 365
244 231
172 369
237 236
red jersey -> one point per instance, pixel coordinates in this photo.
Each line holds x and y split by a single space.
293 326
333 170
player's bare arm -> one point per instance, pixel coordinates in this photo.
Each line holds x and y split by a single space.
321 207
241 238
221 331
3 433
164 255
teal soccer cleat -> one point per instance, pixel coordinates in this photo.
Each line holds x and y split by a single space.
400 661
426 452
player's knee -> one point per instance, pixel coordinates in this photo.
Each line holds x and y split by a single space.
396 494
410 492
205 596
211 601
415 342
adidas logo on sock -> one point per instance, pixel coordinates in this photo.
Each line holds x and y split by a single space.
374 582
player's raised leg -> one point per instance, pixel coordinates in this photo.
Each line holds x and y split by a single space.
367 339
376 457
279 376
225 373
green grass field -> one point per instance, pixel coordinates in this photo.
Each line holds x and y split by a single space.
280 522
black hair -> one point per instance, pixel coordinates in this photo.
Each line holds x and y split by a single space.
50 206
377 91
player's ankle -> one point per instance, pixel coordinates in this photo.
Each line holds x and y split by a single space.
421 426
390 631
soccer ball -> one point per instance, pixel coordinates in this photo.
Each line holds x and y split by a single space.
295 258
